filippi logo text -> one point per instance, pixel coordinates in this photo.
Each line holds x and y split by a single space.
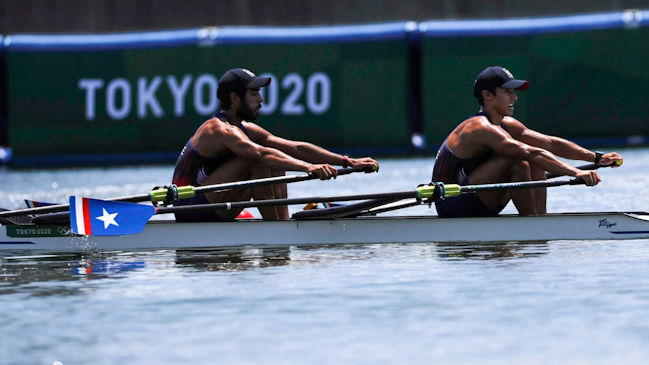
605 223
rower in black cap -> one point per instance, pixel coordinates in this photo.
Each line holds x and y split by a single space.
230 147
492 147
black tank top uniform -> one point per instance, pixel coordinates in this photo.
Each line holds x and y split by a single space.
192 168
451 169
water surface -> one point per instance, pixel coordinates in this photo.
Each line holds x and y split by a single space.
576 302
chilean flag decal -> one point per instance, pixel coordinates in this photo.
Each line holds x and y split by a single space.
94 217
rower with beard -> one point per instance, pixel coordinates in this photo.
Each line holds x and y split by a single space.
492 147
230 147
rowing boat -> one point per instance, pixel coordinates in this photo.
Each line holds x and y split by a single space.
119 224
169 234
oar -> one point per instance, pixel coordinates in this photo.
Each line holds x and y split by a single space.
452 190
434 191
88 216
183 192
348 210
590 166
390 207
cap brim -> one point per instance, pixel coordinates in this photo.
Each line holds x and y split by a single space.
259 82
516 84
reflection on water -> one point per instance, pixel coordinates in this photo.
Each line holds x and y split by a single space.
490 251
47 274
398 297
21 270
31 273
104 268
233 259
50 274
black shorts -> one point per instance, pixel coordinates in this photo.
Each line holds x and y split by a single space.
465 205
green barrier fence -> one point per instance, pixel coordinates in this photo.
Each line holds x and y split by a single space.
334 86
588 74
139 96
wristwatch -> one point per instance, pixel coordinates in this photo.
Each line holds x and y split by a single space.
598 156
346 162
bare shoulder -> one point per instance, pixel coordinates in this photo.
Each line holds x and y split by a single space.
214 135
512 121
216 128
212 126
514 126
257 133
479 131
468 139
253 127
475 125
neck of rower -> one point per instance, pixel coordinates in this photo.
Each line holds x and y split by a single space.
494 117
233 118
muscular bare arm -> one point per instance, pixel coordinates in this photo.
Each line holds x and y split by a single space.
214 136
305 151
558 146
500 141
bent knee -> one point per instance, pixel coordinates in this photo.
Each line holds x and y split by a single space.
258 170
520 169
521 165
536 172
513 165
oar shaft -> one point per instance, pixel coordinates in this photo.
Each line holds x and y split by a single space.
450 190
268 181
518 185
453 190
63 207
38 210
201 189
276 202
433 191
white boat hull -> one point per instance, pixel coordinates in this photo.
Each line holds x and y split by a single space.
169 234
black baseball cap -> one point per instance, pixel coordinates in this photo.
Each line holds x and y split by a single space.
496 76
238 80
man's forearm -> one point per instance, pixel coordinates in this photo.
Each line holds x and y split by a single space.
314 154
570 150
548 162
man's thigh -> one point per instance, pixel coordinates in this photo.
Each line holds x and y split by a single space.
236 169
495 170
